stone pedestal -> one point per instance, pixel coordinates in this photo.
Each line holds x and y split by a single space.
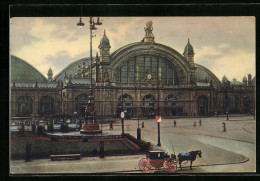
90 129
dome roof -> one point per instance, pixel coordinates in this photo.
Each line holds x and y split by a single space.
244 79
188 48
72 68
20 70
235 82
204 76
104 40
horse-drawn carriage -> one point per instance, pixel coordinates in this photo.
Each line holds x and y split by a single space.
158 159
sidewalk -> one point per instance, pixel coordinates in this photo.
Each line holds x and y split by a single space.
85 165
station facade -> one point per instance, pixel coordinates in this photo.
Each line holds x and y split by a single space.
141 78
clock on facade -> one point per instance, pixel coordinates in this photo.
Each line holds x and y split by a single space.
149 76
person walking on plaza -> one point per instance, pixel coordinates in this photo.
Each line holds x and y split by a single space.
200 122
224 127
111 126
194 125
142 124
174 123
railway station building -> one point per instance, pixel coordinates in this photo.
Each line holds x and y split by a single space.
141 78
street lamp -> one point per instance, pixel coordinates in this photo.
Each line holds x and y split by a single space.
92 26
94 127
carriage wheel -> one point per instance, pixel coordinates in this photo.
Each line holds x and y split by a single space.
143 163
170 165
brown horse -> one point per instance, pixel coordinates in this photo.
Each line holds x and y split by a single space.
192 157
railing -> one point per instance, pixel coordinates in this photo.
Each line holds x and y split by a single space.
143 145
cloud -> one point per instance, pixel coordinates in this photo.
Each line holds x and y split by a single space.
208 51
236 64
47 45
225 45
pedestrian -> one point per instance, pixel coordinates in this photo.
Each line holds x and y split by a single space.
200 122
173 156
142 124
174 123
194 125
224 127
111 126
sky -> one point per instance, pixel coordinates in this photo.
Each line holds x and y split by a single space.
224 45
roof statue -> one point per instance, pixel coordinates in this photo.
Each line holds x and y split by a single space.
149 37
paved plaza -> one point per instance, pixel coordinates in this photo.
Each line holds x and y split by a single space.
232 151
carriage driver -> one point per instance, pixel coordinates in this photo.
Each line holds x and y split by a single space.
173 156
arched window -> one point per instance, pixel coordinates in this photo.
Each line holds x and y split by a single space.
24 105
148 100
136 68
125 102
171 107
170 100
46 105
81 102
148 105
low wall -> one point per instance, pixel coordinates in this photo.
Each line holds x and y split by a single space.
43 146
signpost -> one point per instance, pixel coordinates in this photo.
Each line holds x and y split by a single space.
122 116
158 120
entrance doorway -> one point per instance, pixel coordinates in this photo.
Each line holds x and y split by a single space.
148 106
203 106
125 102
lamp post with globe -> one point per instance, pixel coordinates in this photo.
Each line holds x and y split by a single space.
92 26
